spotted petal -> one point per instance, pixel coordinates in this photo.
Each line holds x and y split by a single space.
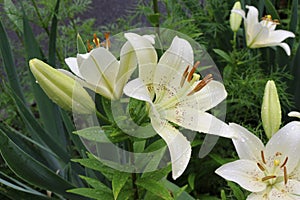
197 120
179 147
247 145
287 142
244 173
291 191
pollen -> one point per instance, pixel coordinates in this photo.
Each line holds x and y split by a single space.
106 43
268 18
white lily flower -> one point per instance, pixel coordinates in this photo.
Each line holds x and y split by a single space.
263 33
271 171
175 94
100 71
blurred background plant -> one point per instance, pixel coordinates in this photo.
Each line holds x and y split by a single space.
36 136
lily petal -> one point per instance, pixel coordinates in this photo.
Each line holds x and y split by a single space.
244 173
179 147
247 145
138 90
72 64
100 69
258 196
251 19
285 47
291 191
146 56
260 33
289 136
279 35
208 97
197 120
173 63
128 64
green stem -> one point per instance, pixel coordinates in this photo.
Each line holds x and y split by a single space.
40 16
133 174
102 117
156 11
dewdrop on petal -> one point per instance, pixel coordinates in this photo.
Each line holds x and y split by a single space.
271 110
61 89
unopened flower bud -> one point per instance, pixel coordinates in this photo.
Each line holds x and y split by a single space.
235 19
62 89
271 110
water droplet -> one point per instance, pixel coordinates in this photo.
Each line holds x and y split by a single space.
36 81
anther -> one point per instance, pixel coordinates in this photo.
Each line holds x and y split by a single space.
263 157
193 71
268 178
106 43
96 40
261 167
89 46
284 162
285 175
201 84
184 75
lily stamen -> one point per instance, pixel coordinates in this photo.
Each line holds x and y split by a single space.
263 157
89 46
285 175
268 178
193 71
201 84
284 162
184 75
261 167
96 40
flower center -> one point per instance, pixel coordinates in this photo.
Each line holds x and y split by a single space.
191 77
272 168
268 21
96 41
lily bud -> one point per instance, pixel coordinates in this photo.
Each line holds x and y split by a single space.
61 89
271 110
235 19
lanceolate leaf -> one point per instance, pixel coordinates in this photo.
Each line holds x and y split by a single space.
32 171
293 22
8 63
118 182
53 33
271 9
48 111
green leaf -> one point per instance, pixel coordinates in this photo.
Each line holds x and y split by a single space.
223 54
158 174
223 195
95 134
191 180
92 193
118 182
37 131
271 10
32 171
236 191
293 22
49 112
97 184
12 14
295 85
93 163
155 187
81 49
52 37
8 63
178 193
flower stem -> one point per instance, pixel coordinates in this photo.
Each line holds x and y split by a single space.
102 117
133 174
